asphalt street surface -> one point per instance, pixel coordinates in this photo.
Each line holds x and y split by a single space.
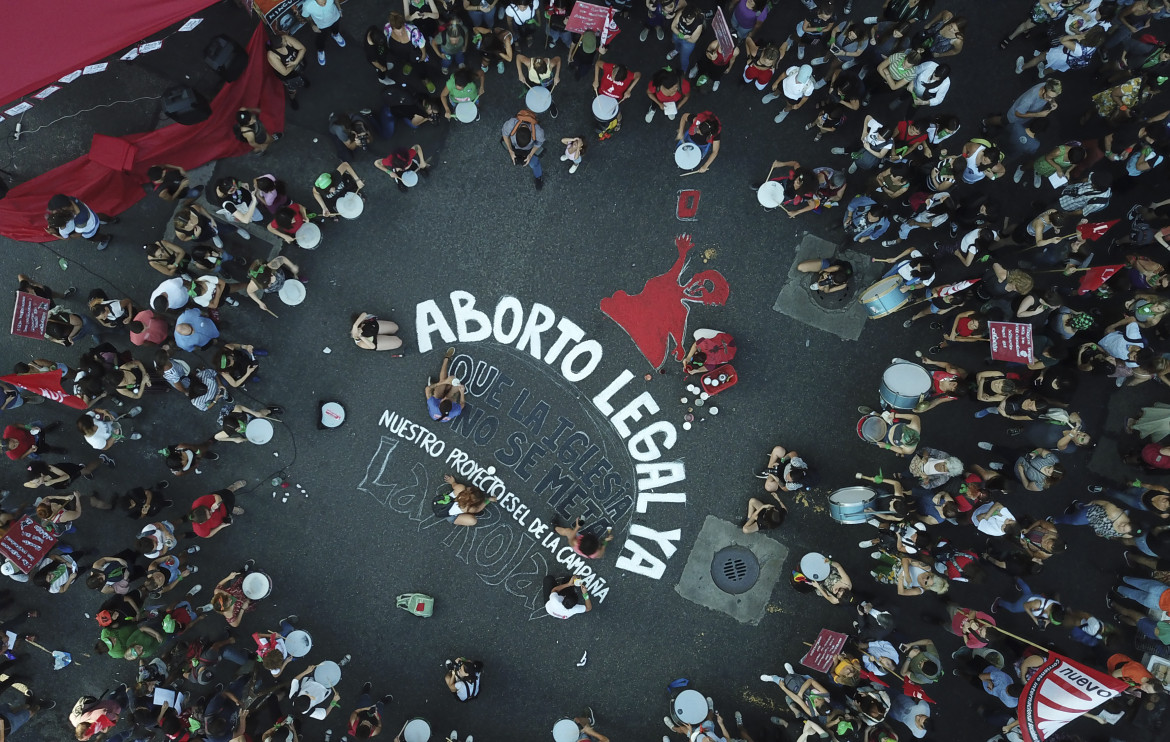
353 528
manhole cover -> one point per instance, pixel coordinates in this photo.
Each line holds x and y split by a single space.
735 569
838 300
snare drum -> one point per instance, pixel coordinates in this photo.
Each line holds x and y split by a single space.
465 113
605 110
883 297
872 429
256 585
849 505
566 730
416 730
309 236
904 385
687 156
538 99
258 431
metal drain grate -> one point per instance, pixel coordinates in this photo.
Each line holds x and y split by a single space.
735 569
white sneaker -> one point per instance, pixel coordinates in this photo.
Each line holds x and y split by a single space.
815 287
659 33
780 116
644 35
771 679
714 86
564 158
650 115
770 97
673 54
453 737
693 73
243 233
321 58
788 668
573 167
339 39
1019 65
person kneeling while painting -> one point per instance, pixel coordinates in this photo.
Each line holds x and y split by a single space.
463 504
585 544
564 597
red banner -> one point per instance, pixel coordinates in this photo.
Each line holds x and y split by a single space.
48 385
1095 230
1059 692
29 315
1095 278
820 655
26 543
1011 341
722 32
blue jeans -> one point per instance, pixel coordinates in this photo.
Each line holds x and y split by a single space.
1143 591
480 19
1131 497
1017 606
685 49
534 163
554 36
1077 517
457 59
16 719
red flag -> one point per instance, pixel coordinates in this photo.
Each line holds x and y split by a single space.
955 287
1095 278
1060 691
1094 230
48 385
915 691
874 678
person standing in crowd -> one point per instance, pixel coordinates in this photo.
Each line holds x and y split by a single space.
325 18
68 217
523 137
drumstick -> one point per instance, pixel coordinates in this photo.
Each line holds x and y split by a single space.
683 175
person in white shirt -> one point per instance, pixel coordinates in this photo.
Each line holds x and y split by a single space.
325 16
931 83
307 695
565 598
797 85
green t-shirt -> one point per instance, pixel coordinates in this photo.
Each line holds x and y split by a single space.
457 95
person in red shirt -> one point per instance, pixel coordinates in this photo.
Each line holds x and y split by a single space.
667 87
1153 455
27 441
288 221
212 513
614 80
147 328
1132 672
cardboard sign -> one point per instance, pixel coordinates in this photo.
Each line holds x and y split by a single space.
1011 342
587 17
722 32
280 15
820 655
26 543
29 315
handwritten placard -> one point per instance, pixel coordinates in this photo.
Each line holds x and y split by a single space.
1011 342
29 315
820 655
722 32
47 92
93 69
26 544
587 17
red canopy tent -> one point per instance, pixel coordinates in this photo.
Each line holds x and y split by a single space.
109 179
48 39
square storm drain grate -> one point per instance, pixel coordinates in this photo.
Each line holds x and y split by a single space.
731 571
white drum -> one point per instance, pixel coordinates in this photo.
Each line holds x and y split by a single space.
292 292
309 236
298 643
256 585
538 99
850 505
904 385
416 730
770 194
465 113
815 566
409 178
566 730
689 707
328 673
258 431
605 109
688 156
350 206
